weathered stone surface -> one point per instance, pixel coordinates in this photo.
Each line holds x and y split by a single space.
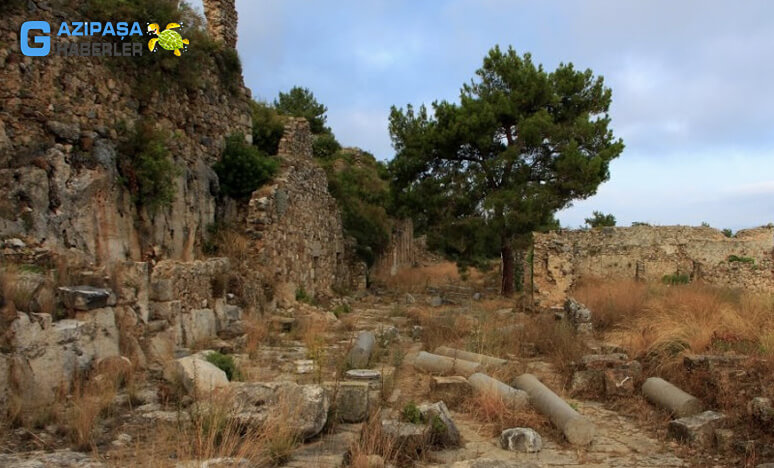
55 353
468 356
199 377
435 364
493 463
58 459
350 400
439 420
360 354
587 383
761 409
578 314
724 439
482 383
603 361
696 430
451 390
521 439
66 131
403 434
222 462
86 297
198 325
712 362
304 406
436 301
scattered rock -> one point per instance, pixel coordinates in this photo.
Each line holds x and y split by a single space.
122 440
724 439
14 243
709 362
696 430
416 332
442 428
223 462
579 315
760 408
410 299
58 459
199 377
408 436
521 439
304 407
304 366
436 301
587 383
477 296
69 132
86 297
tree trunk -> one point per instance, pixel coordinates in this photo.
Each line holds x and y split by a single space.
506 253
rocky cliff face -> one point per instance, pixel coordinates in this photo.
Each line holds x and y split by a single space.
60 121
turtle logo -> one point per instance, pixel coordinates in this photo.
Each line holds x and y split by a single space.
167 39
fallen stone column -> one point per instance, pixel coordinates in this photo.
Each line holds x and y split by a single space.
435 364
511 396
577 429
360 353
468 356
664 394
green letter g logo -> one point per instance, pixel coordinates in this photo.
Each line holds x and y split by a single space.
45 42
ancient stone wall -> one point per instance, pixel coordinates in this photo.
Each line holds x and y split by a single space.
649 253
222 20
60 123
297 228
400 253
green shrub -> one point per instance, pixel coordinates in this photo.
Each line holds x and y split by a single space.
411 413
268 127
225 363
325 145
300 102
341 309
359 184
734 258
302 296
147 169
676 278
243 168
728 232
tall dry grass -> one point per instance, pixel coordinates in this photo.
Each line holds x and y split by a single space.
496 415
668 321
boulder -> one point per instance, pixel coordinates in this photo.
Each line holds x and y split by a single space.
760 408
199 377
442 428
436 301
696 430
86 297
521 439
407 436
304 407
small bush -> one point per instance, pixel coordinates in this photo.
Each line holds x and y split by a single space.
268 127
325 145
676 278
728 232
341 310
146 167
734 258
411 413
225 363
243 168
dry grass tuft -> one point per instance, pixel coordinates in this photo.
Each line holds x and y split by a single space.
258 334
496 415
612 303
372 442
697 318
89 402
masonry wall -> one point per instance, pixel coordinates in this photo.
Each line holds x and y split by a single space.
400 253
561 258
296 226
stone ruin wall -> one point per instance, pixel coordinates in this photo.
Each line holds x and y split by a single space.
59 185
297 228
222 20
400 253
562 258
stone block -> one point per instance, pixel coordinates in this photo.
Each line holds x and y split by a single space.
698 430
521 439
351 400
451 390
168 310
443 431
198 325
199 377
86 297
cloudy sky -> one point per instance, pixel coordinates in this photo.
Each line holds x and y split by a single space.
692 81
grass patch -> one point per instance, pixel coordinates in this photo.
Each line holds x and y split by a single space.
226 364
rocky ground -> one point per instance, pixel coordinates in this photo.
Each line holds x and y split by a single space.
363 417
